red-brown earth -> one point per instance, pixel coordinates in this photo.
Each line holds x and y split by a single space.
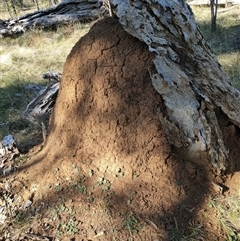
107 171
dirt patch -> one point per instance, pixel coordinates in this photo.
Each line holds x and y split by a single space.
107 171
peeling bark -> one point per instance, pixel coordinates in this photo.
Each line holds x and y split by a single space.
186 75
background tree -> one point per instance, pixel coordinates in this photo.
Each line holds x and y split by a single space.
214 8
37 4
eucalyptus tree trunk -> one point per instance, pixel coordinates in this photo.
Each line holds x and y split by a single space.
187 76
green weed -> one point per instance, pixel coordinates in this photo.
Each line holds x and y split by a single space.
176 235
68 227
106 184
132 223
68 224
194 233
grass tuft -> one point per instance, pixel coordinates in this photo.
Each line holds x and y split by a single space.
228 214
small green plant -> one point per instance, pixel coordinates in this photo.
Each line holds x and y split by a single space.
79 184
68 227
176 235
178 182
23 158
58 187
195 232
211 202
81 189
21 217
132 223
132 196
106 184
60 208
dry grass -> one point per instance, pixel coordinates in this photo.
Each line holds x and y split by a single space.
225 42
231 64
227 214
37 52
23 61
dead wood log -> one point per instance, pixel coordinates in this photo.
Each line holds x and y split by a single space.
41 106
62 13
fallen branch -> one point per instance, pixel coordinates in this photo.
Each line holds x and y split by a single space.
41 106
63 13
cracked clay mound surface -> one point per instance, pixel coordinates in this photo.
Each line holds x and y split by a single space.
107 155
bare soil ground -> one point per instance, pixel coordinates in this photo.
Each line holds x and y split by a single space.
107 171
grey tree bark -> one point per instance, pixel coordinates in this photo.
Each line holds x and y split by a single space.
187 76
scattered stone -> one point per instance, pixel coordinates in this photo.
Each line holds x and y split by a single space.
8 151
27 204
